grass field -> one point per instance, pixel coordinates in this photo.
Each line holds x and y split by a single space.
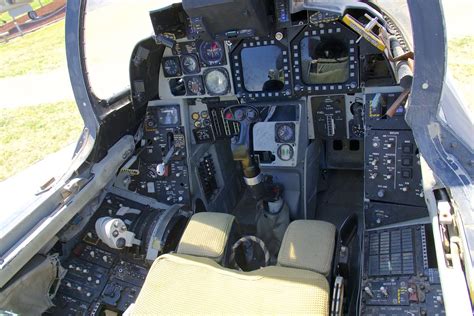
461 66
28 134
36 4
36 52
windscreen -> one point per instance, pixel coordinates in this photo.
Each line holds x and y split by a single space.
112 28
324 60
262 68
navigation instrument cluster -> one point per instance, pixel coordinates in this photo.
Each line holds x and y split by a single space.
188 73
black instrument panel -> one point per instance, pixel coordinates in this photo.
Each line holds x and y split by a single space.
308 59
196 69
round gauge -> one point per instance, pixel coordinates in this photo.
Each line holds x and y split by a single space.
150 124
212 53
239 115
194 85
216 81
252 115
171 67
190 64
285 133
285 152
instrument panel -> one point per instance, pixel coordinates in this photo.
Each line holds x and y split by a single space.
316 59
195 69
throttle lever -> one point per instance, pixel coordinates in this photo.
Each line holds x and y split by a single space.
162 169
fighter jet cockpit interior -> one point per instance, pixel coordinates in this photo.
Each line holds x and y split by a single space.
272 171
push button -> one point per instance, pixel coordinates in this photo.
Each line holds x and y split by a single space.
407 161
406 173
407 148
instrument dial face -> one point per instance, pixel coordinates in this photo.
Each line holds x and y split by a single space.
217 81
285 152
252 115
171 67
212 53
285 133
194 85
239 115
190 64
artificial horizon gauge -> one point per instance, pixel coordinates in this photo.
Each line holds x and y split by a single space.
190 64
216 81
285 152
212 53
171 67
194 85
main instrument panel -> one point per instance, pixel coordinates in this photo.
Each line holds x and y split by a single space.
195 69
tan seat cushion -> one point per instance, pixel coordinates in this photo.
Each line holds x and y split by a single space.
180 284
206 235
309 245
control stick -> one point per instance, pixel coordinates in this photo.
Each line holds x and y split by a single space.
272 216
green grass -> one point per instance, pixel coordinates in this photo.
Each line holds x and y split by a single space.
36 52
461 66
30 133
35 5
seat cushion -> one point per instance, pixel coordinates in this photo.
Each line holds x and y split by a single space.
181 284
206 235
309 245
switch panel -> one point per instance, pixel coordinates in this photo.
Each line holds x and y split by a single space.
163 172
392 172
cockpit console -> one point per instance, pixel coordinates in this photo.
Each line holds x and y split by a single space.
272 111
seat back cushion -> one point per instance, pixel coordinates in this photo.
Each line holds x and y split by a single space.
181 284
309 245
206 235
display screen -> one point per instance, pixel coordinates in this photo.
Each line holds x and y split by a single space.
324 60
168 115
262 68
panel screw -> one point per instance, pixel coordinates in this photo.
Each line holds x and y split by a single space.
425 86
279 36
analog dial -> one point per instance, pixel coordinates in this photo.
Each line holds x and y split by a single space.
285 133
194 85
217 81
212 53
285 152
190 64
171 67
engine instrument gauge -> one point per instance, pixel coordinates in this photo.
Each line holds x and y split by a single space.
252 114
285 152
216 81
239 115
285 132
190 64
171 67
212 53
194 85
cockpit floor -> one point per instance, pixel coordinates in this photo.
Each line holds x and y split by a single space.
344 195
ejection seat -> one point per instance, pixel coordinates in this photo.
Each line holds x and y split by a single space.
192 281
